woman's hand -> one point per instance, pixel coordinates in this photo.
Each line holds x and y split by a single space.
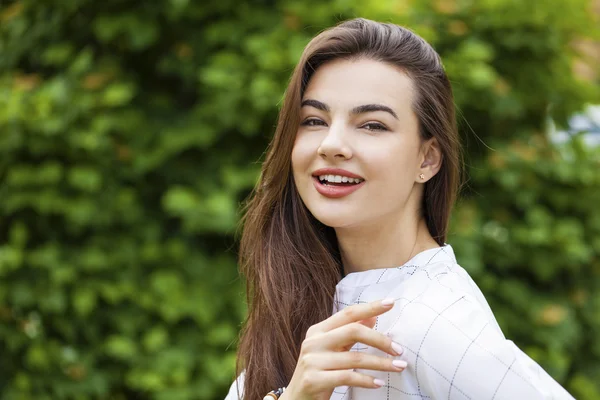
325 361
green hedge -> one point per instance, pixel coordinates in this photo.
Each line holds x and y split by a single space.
130 133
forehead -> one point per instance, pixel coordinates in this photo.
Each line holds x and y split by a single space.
346 83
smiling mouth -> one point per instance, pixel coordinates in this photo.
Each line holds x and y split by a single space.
327 181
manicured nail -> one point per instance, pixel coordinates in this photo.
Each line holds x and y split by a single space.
378 382
397 348
387 302
400 363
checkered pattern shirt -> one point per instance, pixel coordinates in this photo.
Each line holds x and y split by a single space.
452 343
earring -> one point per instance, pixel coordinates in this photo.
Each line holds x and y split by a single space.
422 176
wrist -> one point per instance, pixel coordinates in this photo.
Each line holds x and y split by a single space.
288 394
275 394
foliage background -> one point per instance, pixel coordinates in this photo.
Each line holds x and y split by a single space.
131 131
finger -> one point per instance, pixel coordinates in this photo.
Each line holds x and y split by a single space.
349 360
355 313
369 322
344 337
325 380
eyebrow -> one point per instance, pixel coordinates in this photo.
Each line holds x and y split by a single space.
365 108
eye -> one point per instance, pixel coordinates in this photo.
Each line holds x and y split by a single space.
312 122
373 126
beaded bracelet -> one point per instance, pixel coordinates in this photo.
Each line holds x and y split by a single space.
274 394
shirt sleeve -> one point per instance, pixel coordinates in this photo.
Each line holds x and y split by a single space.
233 389
455 350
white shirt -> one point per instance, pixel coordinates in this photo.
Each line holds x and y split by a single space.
452 343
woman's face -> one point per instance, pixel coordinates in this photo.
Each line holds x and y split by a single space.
357 116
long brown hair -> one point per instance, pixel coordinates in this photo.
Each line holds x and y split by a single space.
291 261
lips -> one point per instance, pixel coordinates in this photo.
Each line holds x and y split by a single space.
336 171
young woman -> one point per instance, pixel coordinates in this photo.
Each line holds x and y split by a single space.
352 291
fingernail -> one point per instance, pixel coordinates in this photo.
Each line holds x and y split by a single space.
397 348
378 382
387 302
400 363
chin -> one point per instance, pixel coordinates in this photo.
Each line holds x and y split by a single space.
335 219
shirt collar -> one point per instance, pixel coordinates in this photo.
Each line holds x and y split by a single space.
444 253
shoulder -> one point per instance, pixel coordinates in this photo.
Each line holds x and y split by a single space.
439 304
452 343
440 293
444 290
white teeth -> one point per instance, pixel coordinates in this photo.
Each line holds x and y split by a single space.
339 179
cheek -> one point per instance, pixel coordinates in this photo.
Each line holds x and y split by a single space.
392 164
300 155
296 159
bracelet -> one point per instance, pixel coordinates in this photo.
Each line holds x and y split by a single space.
274 394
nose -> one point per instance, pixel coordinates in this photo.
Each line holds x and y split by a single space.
334 144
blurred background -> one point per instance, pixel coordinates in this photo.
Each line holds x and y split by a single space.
131 132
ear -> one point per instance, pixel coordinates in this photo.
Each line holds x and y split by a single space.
431 160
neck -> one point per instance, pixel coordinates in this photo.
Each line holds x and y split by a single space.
383 246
